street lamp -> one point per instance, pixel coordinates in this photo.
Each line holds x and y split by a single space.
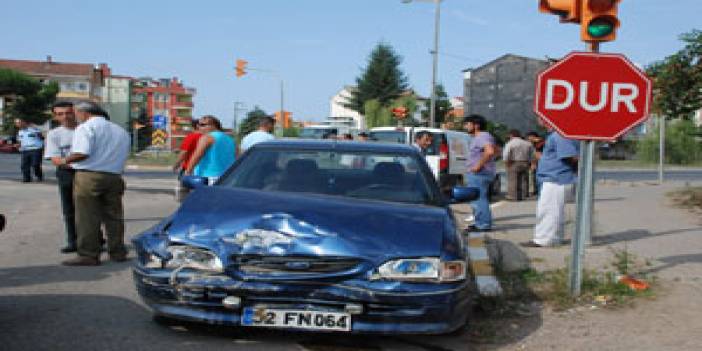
435 53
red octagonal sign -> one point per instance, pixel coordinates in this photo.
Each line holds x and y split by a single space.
593 96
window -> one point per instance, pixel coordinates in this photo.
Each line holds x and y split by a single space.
353 174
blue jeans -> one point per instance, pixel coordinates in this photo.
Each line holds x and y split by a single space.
481 206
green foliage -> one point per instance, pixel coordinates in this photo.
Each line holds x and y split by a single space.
377 115
678 79
381 80
498 130
442 107
32 98
292 132
251 121
681 144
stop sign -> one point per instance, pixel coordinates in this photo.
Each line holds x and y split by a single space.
593 96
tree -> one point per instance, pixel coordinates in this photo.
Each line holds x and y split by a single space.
681 146
677 79
292 132
381 80
32 99
442 107
251 121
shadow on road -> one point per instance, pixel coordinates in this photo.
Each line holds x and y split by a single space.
672 261
35 275
636 234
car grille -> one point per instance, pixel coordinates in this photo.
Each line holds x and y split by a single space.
292 264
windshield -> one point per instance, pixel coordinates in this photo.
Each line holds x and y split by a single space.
390 136
316 133
372 176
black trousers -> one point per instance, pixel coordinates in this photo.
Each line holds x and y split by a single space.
64 178
31 159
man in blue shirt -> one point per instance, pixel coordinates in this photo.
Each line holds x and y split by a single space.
265 128
31 143
556 173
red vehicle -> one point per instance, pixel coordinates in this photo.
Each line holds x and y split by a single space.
7 146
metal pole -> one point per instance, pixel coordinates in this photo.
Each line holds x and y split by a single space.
661 148
435 64
279 126
584 210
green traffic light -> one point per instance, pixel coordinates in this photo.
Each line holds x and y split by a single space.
600 27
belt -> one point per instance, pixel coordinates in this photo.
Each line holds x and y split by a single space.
98 172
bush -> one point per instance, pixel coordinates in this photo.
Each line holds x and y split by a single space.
681 144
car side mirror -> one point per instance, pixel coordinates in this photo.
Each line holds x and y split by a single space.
193 182
464 193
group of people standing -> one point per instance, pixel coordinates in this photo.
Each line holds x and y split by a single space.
208 152
553 163
89 152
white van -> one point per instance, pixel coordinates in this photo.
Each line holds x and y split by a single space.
447 156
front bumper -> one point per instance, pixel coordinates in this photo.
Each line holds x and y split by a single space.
387 307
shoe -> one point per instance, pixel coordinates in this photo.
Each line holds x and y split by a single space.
68 249
473 228
81 261
529 243
470 219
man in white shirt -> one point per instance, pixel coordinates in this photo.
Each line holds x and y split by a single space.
265 127
58 146
99 152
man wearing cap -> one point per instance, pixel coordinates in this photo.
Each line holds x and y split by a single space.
481 169
98 154
31 143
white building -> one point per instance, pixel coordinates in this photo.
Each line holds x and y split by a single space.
339 112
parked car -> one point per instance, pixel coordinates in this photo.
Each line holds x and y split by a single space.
293 238
447 156
7 145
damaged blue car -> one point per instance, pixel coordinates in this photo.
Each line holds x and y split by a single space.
313 235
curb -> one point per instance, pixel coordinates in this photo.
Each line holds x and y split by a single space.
480 265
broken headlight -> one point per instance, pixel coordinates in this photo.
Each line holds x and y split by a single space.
429 269
183 256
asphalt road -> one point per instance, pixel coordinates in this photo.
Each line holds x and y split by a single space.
46 306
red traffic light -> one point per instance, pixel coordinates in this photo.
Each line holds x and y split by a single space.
567 10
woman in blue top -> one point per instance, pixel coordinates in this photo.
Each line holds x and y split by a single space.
214 153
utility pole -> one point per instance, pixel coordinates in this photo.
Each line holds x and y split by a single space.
661 148
235 124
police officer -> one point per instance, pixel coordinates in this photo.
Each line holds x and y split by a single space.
31 143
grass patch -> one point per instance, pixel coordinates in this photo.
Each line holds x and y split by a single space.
689 198
165 158
599 287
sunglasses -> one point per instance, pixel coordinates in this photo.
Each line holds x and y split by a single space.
203 124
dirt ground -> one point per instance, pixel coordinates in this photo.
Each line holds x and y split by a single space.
641 218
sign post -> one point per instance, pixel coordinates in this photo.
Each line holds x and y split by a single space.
589 96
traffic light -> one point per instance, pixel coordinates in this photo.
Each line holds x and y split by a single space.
400 112
241 67
599 20
568 10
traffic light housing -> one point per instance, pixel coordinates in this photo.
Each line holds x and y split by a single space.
400 112
567 10
241 67
599 20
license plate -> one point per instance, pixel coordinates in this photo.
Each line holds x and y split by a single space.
301 319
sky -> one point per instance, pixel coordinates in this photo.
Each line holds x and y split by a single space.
315 46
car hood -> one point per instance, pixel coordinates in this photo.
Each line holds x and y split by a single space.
256 222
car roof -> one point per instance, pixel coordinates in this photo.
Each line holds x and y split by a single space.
337 145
